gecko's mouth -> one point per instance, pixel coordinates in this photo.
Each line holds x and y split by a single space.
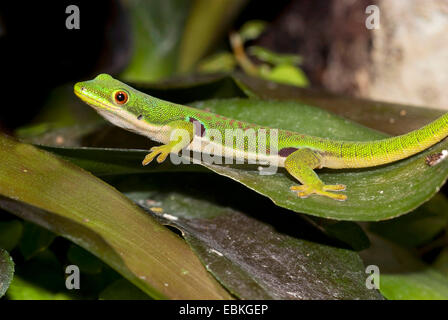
82 93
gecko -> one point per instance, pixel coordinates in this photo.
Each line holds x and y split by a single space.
299 154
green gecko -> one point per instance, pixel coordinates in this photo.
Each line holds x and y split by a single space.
298 153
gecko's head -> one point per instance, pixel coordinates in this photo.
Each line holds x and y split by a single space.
120 104
106 94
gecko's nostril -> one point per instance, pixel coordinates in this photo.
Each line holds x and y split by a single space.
82 88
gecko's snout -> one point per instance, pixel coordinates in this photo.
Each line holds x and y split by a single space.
79 87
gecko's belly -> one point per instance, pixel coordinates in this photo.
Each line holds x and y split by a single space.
217 150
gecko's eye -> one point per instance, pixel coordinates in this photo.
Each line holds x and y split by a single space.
121 97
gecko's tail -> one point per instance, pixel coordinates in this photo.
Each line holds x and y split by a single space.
378 152
404 146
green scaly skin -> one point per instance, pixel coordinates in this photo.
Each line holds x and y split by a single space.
300 154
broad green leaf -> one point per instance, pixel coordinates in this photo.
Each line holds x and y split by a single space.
10 233
157 30
6 271
402 275
67 200
254 254
35 239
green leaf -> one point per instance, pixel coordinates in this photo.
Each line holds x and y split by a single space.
73 203
35 239
122 290
402 275
426 284
22 289
10 233
285 73
6 271
252 29
254 254
157 27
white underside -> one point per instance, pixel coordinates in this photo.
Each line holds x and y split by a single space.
128 121
218 149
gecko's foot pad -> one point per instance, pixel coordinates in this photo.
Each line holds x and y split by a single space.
304 191
161 151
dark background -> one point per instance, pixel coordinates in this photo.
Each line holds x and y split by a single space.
40 53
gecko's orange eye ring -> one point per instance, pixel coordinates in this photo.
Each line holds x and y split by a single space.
121 97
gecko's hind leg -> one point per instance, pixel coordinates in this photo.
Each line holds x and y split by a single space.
300 165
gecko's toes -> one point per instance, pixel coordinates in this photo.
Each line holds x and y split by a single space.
304 191
162 157
336 196
334 187
148 158
161 152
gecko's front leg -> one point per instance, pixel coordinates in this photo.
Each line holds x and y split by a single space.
183 133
